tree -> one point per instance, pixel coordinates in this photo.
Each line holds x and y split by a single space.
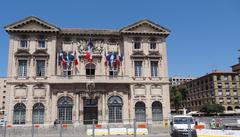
177 96
212 108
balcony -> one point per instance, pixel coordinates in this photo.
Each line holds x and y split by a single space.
93 78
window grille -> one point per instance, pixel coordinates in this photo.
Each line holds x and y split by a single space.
157 114
65 105
115 104
38 113
19 114
140 112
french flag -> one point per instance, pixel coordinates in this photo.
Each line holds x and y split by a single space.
118 59
76 58
89 51
105 58
63 60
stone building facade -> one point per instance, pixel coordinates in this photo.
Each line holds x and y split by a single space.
216 87
177 80
124 76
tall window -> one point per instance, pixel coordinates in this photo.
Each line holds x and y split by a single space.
138 68
22 68
38 113
40 70
65 105
153 44
19 114
154 68
140 112
137 44
113 71
23 43
90 69
157 114
41 43
115 104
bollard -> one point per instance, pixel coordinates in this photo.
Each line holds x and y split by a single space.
134 128
32 131
60 128
189 127
5 129
93 127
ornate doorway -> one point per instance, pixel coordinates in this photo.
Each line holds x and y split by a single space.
90 111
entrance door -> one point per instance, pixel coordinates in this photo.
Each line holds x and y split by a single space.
90 111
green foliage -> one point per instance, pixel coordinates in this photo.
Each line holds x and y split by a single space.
177 95
212 108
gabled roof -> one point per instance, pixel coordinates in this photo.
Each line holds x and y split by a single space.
19 25
156 27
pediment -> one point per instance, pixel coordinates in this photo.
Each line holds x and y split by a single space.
41 52
145 26
31 24
22 53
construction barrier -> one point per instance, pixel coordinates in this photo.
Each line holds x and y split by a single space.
217 133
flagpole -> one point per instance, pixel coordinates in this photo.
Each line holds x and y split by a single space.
105 58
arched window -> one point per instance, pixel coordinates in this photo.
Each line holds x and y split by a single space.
229 108
115 104
157 114
38 113
237 107
140 112
90 69
19 114
65 105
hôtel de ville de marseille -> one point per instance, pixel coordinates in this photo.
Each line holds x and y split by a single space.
75 75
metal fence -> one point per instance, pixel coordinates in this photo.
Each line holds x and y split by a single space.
93 128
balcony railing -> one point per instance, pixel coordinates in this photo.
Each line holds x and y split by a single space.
102 79
85 78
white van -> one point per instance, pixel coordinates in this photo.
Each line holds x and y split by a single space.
179 126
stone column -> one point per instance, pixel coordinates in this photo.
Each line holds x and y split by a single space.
77 108
54 106
131 104
81 109
29 105
47 111
165 102
104 107
125 108
100 105
10 104
148 103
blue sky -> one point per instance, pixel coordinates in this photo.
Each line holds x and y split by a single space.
205 35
